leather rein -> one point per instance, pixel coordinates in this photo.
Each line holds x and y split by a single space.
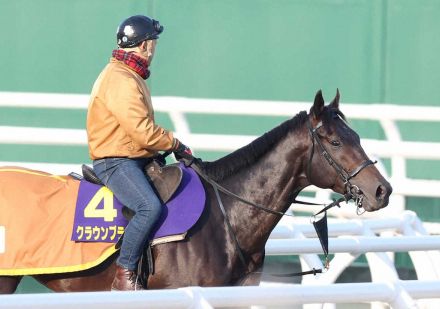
351 192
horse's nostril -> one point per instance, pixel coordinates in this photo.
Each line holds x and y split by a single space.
380 192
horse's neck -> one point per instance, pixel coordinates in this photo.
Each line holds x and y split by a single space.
271 182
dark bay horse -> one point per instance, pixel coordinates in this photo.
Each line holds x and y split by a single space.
316 148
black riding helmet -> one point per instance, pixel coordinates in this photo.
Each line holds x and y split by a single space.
136 29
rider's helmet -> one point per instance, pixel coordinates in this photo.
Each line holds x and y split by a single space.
136 29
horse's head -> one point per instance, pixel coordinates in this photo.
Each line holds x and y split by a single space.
337 160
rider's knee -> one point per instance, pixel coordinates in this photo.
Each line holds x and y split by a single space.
151 210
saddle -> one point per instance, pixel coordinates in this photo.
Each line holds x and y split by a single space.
164 179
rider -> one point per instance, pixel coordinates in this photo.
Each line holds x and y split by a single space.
123 137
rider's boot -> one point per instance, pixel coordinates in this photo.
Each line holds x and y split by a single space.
125 280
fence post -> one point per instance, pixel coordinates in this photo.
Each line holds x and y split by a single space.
401 299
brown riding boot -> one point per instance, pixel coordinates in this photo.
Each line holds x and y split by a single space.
125 280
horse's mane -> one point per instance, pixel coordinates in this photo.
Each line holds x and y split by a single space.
249 154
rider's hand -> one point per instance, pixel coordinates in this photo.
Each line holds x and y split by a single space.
182 151
160 159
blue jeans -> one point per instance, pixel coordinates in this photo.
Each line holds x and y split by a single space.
126 178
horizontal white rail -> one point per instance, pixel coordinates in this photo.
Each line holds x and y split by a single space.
287 227
197 297
44 100
53 168
221 106
42 136
210 142
354 245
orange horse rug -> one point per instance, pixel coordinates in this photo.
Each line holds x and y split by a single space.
51 222
37 210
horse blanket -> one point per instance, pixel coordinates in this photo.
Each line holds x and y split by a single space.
38 210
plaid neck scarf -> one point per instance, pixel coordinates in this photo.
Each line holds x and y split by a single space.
137 63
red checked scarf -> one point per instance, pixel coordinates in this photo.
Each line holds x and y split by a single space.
137 63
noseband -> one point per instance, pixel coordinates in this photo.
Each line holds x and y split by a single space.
351 191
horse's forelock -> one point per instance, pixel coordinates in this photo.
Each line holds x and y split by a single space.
328 118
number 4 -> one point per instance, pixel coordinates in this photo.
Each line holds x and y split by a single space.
108 213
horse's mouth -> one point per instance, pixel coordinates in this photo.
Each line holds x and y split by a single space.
370 202
370 207
361 207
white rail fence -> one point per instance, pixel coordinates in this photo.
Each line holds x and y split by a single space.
177 108
295 236
378 238
350 238
233 297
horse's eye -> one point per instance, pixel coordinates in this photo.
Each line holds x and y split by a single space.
335 143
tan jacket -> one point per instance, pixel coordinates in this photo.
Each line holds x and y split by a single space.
120 118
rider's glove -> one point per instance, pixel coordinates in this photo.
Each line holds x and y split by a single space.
160 159
182 151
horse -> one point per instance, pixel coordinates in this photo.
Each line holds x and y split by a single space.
225 249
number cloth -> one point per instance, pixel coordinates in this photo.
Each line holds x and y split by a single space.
98 215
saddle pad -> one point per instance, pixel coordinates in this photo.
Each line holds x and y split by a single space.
38 212
98 215
183 210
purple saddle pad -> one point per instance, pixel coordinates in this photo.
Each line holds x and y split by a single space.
184 208
98 214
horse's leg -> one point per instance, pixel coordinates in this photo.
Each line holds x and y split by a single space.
8 284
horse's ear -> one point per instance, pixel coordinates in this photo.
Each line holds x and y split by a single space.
318 104
335 103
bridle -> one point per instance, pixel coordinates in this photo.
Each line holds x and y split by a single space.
351 191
